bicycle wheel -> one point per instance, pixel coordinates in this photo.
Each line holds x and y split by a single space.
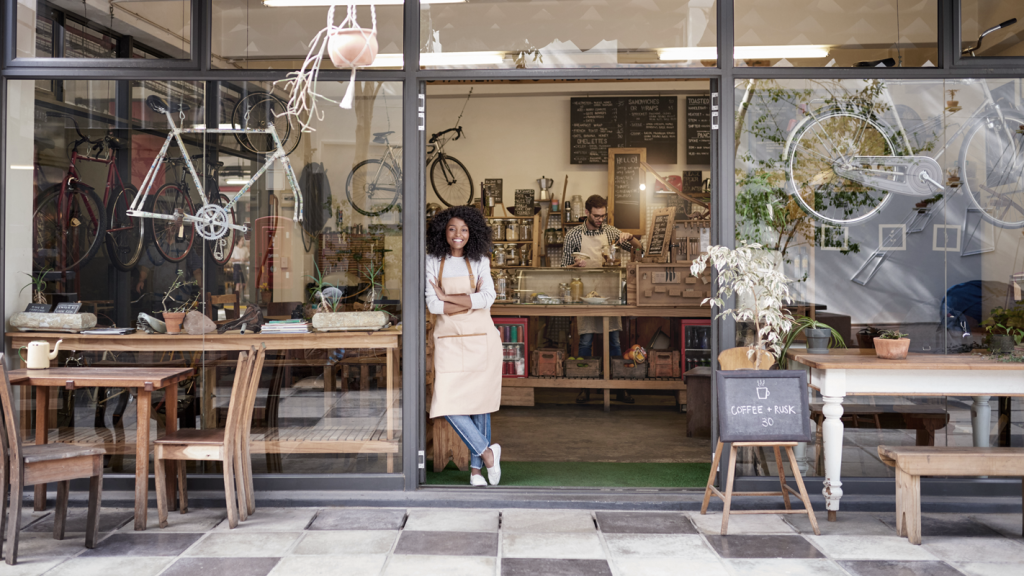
259 111
173 239
124 237
992 169
220 249
373 187
451 181
817 146
67 228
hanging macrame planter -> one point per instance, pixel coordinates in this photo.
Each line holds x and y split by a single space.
349 46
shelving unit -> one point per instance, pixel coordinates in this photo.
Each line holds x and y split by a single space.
514 342
534 242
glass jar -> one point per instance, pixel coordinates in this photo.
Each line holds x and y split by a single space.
551 236
577 208
564 292
525 253
576 289
511 230
526 230
498 226
498 257
500 285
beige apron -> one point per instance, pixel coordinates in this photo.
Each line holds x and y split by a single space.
467 356
596 247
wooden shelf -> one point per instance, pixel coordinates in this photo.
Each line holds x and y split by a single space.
508 217
513 241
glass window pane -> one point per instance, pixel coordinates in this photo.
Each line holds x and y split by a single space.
326 404
872 244
568 34
810 33
980 16
94 30
259 35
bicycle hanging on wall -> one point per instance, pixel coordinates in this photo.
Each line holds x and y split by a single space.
213 220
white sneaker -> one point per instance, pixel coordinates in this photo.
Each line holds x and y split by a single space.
477 480
494 472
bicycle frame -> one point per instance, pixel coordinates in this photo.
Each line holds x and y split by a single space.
112 172
175 135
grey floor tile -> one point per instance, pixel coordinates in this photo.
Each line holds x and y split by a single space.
225 566
711 523
645 523
871 548
787 567
441 565
202 520
689 546
448 519
989 569
552 545
763 546
245 545
948 525
137 566
359 519
448 543
110 519
1006 524
669 567
345 542
898 568
143 544
554 567
999 550
271 520
529 520
846 524
31 566
34 546
350 565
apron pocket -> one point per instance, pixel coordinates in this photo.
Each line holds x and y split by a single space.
460 353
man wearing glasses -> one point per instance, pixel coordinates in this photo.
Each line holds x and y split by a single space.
593 238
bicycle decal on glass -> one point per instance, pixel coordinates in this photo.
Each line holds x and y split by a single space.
213 220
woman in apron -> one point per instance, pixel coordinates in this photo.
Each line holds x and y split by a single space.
467 346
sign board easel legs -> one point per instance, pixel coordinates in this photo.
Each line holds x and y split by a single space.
710 490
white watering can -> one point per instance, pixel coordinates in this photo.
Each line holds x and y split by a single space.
39 354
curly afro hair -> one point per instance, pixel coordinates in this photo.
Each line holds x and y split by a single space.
479 245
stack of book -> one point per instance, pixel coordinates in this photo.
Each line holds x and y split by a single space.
285 327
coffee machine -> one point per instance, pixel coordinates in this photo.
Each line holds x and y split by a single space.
545 188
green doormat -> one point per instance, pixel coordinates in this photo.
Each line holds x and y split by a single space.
585 474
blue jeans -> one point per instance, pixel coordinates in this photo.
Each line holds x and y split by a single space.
587 342
475 431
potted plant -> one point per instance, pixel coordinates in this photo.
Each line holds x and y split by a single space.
820 337
892 345
327 301
175 315
752 274
38 284
1005 328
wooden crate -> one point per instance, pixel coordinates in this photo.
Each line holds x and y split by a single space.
670 285
663 364
547 363
619 370
591 370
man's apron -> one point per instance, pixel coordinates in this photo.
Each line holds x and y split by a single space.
596 247
467 356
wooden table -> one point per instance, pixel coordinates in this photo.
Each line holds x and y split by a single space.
606 383
844 373
143 380
307 440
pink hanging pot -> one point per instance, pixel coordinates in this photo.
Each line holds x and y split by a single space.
352 47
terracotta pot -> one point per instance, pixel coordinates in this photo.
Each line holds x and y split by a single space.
346 47
173 321
892 349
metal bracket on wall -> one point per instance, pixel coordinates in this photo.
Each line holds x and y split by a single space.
973 239
421 461
915 223
422 112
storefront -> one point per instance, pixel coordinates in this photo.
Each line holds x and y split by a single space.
557 101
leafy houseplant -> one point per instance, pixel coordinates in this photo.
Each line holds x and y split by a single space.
751 274
38 284
820 337
892 345
175 314
1005 328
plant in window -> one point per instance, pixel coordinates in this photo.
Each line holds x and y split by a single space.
820 337
892 345
326 297
751 274
174 314
38 284
1005 328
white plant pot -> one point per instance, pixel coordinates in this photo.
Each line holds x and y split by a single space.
346 47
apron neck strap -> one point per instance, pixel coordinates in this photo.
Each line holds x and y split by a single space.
472 278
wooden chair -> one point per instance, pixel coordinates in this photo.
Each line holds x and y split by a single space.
39 464
738 359
224 445
212 301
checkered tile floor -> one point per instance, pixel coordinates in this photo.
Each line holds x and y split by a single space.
514 542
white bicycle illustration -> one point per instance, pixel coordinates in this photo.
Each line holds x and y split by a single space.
212 221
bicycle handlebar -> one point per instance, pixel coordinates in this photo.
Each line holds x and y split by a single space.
458 134
999 26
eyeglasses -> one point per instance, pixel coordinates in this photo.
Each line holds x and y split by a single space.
599 216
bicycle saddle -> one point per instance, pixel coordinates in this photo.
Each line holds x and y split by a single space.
885 62
378 137
158 105
115 143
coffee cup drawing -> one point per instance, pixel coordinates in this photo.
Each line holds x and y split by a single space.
762 393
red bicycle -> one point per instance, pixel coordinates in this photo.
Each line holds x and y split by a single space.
70 219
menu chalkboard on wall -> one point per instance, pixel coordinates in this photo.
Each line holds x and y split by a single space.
763 406
597 124
626 205
659 234
698 130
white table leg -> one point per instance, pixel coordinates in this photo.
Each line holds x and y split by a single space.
832 437
981 421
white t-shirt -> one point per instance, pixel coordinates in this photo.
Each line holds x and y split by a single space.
454 268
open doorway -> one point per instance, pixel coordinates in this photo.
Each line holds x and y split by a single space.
579 406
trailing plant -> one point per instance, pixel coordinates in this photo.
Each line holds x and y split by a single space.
179 283
836 340
751 274
891 335
38 284
1006 321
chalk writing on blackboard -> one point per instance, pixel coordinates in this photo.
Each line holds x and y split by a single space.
698 130
627 191
597 124
763 406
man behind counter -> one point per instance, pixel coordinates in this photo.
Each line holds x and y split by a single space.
593 238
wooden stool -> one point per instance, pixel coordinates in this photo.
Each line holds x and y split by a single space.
448 446
710 490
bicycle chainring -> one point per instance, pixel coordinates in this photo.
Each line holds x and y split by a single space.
212 222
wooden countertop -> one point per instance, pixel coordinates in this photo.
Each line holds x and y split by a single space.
854 359
598 310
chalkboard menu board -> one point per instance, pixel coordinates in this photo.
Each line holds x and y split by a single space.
597 124
698 130
763 406
693 182
625 203
492 188
524 202
659 235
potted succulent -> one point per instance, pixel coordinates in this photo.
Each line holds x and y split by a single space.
892 345
175 315
1005 328
38 284
752 274
820 337
327 301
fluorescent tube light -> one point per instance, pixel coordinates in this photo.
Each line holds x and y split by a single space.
21 167
745 52
299 3
236 181
460 58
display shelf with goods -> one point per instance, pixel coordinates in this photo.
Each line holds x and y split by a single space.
516 241
696 343
515 348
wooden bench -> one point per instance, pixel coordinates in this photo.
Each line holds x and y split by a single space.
912 462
